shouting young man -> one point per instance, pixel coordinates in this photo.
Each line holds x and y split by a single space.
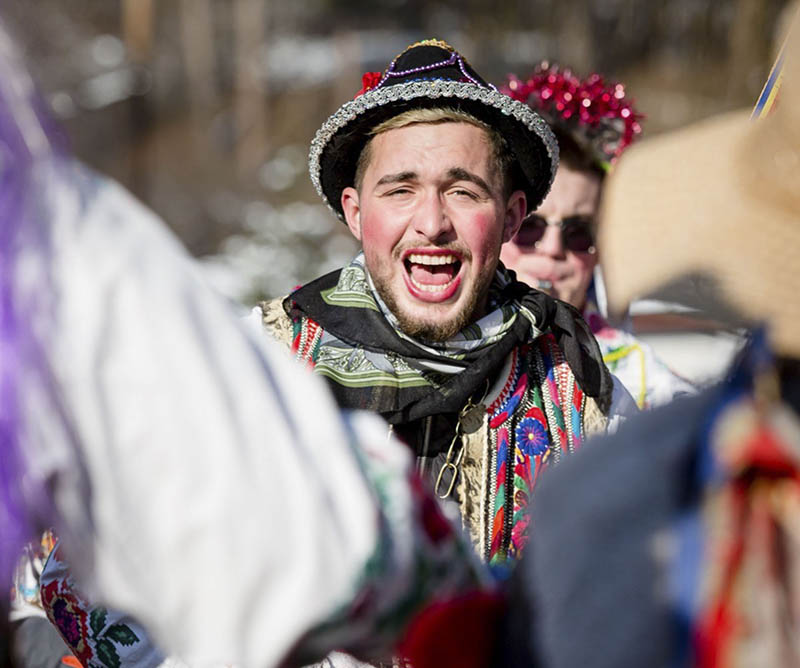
489 381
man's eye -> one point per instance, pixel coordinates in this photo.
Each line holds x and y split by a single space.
463 192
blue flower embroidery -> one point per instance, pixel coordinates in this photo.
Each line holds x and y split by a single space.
531 437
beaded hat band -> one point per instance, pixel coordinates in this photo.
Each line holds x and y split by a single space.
430 74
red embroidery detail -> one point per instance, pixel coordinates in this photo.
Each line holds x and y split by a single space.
498 420
67 612
306 341
509 384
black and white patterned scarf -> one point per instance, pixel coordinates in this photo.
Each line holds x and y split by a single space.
372 365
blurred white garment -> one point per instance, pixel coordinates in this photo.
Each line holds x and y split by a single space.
649 381
207 485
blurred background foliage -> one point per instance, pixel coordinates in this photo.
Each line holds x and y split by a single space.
205 108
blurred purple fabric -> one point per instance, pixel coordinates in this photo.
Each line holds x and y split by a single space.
27 137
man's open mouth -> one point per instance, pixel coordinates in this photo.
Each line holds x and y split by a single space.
432 272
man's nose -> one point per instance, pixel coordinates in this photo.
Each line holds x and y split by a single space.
551 242
431 218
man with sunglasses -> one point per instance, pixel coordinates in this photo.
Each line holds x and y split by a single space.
554 249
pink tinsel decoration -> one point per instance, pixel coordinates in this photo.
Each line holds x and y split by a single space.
595 110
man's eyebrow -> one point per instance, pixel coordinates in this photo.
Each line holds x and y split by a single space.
461 174
397 178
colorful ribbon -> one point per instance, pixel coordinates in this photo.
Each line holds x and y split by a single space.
769 94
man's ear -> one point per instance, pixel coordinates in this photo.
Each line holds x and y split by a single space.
515 213
352 211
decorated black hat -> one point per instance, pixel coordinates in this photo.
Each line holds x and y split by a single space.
430 74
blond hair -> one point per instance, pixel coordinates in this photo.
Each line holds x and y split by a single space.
501 156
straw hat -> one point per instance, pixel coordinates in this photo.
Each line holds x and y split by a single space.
719 200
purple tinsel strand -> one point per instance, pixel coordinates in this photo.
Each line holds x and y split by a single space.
27 136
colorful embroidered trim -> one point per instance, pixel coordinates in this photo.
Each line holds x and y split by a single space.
305 341
96 636
527 433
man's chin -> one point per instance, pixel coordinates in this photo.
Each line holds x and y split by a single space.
430 322
435 331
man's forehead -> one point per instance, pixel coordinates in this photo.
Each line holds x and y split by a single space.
422 146
436 126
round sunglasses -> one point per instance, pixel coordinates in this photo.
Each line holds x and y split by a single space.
577 233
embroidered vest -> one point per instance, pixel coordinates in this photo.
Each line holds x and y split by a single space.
533 416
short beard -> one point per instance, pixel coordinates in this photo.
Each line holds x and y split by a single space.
437 331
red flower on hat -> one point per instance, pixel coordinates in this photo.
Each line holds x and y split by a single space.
368 81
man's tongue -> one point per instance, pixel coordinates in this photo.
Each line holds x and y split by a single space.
432 274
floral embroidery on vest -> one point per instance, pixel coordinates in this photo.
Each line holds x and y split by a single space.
528 431
99 638
537 416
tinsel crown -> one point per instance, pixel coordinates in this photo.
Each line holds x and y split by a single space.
594 113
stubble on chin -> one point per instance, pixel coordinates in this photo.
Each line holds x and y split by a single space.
434 330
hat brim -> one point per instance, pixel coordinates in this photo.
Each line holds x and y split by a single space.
338 143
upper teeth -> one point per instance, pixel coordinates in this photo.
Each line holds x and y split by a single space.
416 258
